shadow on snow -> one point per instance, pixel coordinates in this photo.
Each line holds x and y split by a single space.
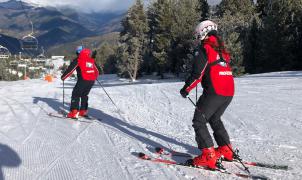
8 158
129 129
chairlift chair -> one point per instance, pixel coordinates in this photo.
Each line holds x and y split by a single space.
29 42
4 52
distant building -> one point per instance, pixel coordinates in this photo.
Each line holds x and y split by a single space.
57 57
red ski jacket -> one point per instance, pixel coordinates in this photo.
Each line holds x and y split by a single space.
212 70
85 66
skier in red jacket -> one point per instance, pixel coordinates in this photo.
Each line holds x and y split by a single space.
87 73
211 67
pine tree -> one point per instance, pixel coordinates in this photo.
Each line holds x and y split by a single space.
150 64
204 10
5 71
172 23
161 20
105 58
236 17
251 47
132 40
2 70
281 36
296 30
262 7
186 17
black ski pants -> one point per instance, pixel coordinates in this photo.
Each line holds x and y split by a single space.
80 93
209 109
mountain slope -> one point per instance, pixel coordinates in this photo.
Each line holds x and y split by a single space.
10 43
90 42
54 26
264 121
15 5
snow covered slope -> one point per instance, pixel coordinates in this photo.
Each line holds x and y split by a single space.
264 122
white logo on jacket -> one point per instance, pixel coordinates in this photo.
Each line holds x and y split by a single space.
90 71
89 65
225 73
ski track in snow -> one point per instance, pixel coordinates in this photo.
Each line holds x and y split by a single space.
264 121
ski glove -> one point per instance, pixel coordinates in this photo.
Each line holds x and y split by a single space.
184 93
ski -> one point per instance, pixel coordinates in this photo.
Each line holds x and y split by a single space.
221 169
161 151
80 119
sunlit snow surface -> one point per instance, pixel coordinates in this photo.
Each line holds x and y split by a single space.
264 121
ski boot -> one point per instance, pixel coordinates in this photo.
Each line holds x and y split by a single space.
74 114
225 151
207 159
83 113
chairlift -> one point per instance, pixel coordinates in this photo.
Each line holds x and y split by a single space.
30 42
4 52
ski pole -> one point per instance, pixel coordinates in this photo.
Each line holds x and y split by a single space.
192 102
63 95
196 95
239 159
107 94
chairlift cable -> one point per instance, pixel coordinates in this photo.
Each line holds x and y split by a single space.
29 42
26 14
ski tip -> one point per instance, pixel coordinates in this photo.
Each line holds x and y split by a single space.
259 177
248 176
282 167
272 166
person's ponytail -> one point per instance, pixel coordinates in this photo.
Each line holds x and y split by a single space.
220 48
